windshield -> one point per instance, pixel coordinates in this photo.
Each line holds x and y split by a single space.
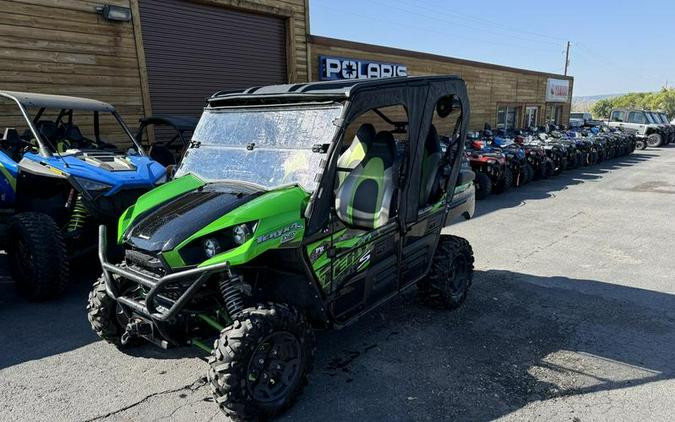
269 147
664 118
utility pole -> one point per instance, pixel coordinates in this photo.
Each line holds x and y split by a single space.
567 57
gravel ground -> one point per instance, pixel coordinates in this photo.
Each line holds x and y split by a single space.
571 318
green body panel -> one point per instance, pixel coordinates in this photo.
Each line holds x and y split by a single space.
279 223
156 197
462 188
345 239
10 179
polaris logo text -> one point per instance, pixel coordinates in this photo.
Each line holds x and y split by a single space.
333 68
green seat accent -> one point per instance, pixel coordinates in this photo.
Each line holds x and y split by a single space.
356 151
366 198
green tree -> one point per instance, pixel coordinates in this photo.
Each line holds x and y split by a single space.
601 108
664 100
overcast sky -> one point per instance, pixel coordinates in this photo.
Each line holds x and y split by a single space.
628 46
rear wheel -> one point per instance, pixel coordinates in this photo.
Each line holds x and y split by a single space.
260 363
654 140
37 254
483 185
451 274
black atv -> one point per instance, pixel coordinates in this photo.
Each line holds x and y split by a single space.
318 204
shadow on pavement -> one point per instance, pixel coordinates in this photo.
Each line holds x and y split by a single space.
30 330
542 189
519 338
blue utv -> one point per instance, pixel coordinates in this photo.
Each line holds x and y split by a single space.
61 175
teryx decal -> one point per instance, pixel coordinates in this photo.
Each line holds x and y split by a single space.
287 233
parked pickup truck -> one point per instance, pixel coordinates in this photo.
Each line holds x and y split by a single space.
642 123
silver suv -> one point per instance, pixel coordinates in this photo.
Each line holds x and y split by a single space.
640 122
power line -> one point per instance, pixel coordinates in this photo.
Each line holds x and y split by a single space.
490 27
484 21
448 35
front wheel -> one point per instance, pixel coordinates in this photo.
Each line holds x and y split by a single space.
260 363
640 144
506 182
37 254
547 169
483 185
451 274
102 315
528 173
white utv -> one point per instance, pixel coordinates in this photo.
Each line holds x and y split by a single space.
641 123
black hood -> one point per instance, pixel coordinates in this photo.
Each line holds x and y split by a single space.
164 227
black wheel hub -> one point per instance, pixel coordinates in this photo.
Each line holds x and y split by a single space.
275 367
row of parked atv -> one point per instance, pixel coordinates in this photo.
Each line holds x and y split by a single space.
504 159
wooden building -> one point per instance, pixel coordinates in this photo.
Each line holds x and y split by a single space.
500 96
171 54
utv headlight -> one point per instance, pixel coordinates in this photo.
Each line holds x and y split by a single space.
91 185
216 243
211 247
241 233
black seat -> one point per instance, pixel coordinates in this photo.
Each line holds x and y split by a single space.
356 151
73 134
367 197
11 143
50 131
431 163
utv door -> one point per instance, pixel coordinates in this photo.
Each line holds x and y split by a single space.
364 269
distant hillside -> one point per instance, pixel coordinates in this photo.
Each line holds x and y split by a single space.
584 103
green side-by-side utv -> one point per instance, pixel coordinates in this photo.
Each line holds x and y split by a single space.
295 207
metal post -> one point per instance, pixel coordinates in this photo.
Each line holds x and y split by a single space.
567 57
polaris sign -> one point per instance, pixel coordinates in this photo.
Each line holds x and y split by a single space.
334 68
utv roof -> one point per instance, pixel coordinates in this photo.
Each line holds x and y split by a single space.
185 123
335 90
30 99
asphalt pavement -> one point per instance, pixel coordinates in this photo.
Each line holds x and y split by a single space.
571 318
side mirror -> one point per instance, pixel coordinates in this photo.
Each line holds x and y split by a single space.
445 106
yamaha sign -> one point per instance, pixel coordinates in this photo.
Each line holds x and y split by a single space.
334 68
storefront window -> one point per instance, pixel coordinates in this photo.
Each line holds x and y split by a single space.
507 117
554 114
531 116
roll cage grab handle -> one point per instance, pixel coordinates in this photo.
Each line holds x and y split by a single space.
44 151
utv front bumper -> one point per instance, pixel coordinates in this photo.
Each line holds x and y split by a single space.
148 306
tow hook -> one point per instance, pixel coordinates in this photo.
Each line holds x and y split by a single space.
135 328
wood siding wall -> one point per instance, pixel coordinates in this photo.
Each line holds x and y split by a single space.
489 85
64 47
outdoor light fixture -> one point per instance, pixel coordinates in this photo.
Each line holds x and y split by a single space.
114 13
